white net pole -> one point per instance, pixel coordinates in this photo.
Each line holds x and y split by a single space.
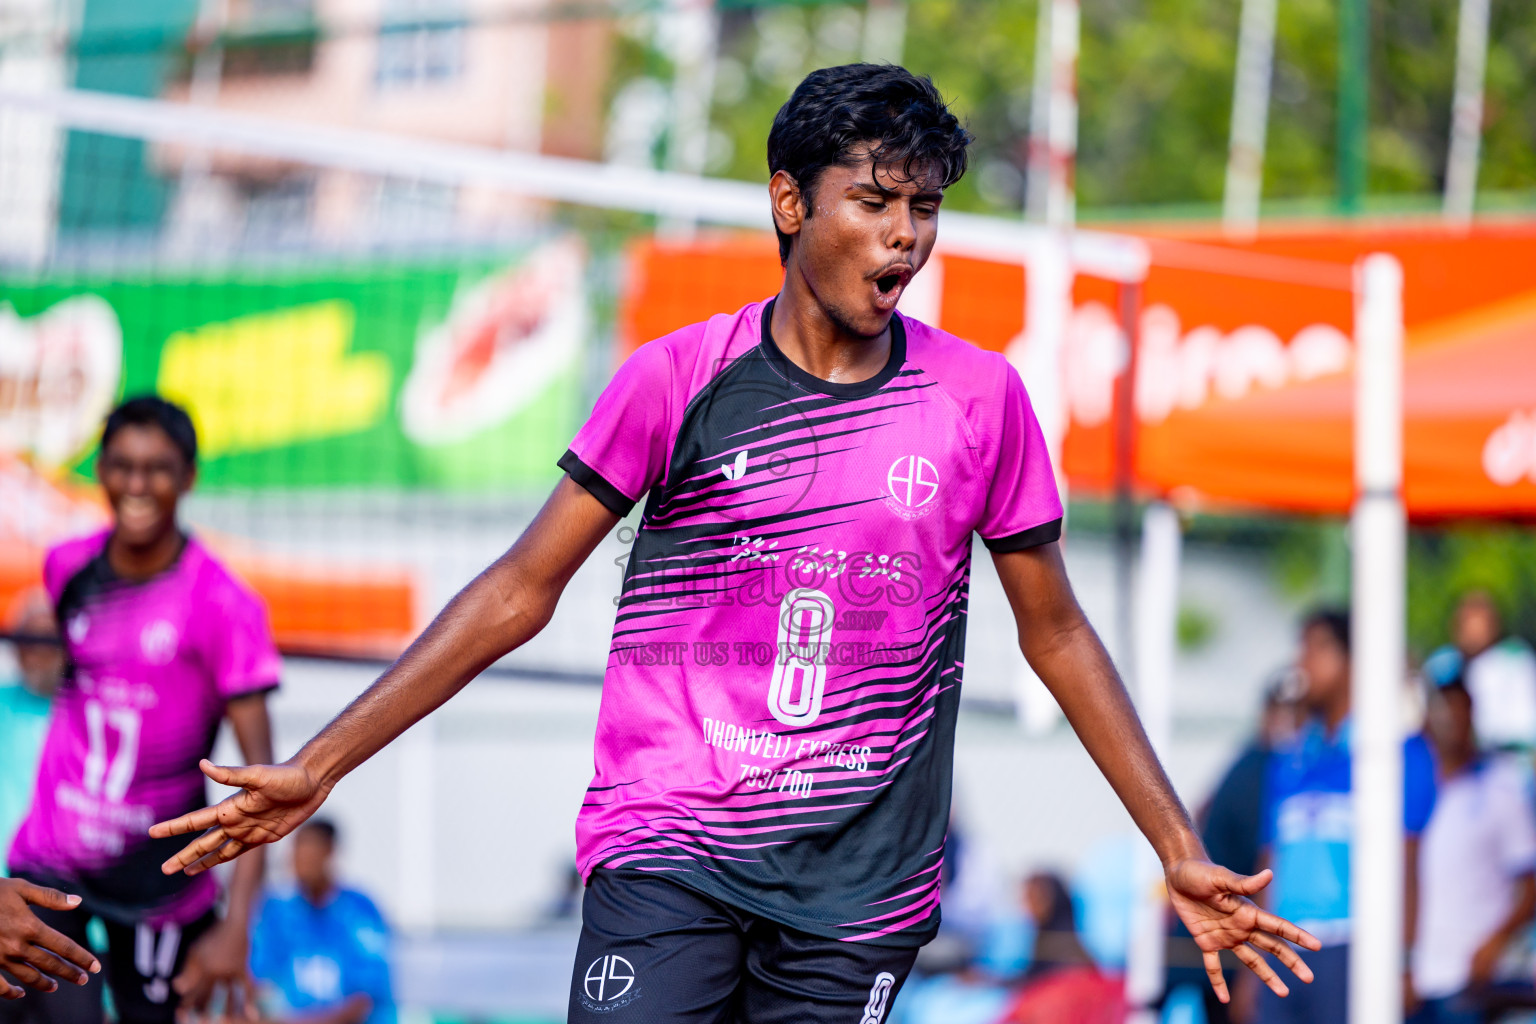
1379 532
885 31
31 144
1250 119
1467 112
1049 195
690 30
1050 201
1156 638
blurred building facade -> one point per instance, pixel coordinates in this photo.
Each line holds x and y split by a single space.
476 72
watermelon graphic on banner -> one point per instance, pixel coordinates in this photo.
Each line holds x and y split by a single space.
59 374
504 342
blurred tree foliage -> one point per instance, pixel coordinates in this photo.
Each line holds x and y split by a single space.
1155 87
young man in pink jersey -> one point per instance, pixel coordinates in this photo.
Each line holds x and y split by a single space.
162 644
763 838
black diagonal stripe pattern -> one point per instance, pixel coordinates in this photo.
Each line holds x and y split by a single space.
904 740
706 534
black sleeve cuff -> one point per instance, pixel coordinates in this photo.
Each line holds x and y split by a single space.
611 497
1030 538
260 689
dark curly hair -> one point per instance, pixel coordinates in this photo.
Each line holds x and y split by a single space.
154 411
837 110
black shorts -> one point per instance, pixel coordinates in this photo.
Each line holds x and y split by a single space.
138 965
653 951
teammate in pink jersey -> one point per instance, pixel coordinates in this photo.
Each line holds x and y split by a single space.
764 835
162 643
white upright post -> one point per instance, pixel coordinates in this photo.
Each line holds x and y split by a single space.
199 212
1049 200
690 33
417 864
885 31
1037 352
1157 621
1250 119
1379 535
1049 195
31 142
1467 111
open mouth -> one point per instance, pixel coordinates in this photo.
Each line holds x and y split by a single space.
889 284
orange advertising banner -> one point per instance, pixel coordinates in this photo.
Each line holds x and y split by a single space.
313 605
1242 395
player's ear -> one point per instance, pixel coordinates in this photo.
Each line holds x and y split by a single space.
189 478
788 205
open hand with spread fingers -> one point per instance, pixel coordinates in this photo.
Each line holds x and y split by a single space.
1214 905
30 951
274 799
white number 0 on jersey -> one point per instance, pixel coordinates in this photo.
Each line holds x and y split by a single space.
805 626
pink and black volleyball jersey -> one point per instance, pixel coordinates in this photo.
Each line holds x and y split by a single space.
778 713
151 665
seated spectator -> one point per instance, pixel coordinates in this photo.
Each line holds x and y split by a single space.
24 705
948 986
1476 868
1062 982
322 951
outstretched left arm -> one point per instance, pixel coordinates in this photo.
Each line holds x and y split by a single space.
1066 653
221 958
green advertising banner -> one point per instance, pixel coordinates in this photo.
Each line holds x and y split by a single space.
453 375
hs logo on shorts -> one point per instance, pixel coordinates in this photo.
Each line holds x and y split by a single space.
609 984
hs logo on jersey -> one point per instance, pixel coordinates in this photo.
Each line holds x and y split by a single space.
911 485
158 642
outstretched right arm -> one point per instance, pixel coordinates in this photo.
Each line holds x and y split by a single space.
501 609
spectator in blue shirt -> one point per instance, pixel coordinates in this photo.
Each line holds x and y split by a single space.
1309 817
321 952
